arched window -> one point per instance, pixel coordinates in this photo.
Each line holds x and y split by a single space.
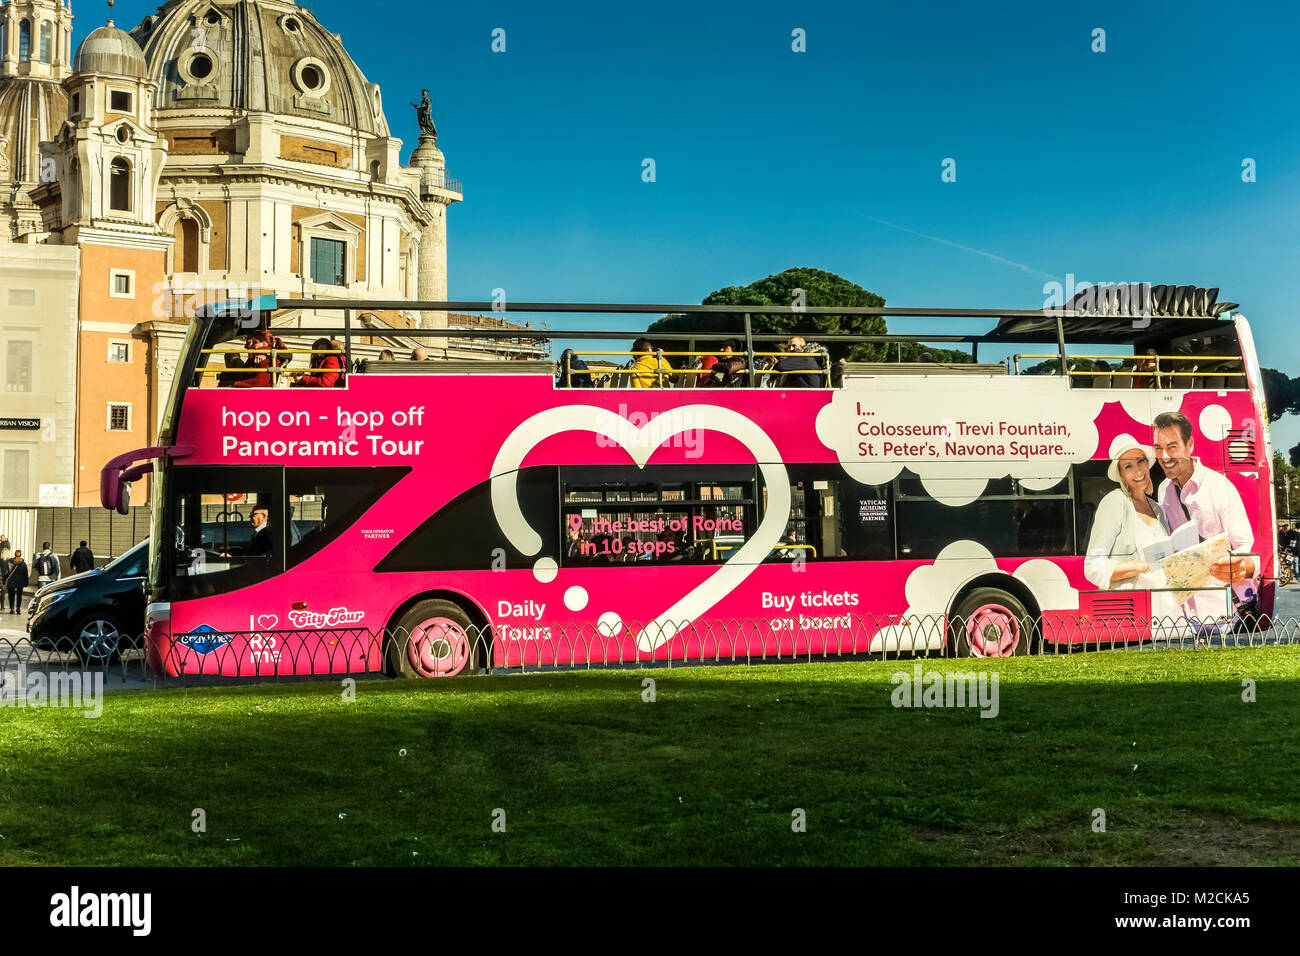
119 185
187 236
4 38
47 41
24 40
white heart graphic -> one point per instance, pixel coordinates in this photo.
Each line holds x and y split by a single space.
640 443
267 622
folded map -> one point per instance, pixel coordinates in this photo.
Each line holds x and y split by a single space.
1188 570
1184 536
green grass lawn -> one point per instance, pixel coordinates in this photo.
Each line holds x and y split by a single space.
709 773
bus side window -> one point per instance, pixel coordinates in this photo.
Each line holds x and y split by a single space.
325 502
217 534
1091 485
834 516
866 519
615 514
228 528
465 535
1009 519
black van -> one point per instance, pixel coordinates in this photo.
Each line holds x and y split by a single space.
94 614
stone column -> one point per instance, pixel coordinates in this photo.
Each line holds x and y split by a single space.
435 197
432 276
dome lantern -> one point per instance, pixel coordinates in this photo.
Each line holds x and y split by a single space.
111 51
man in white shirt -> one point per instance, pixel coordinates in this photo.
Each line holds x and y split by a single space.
1193 492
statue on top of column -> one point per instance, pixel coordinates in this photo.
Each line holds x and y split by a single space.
424 114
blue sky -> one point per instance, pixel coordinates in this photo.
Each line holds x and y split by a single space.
1117 166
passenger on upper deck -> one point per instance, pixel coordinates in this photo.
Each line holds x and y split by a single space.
729 370
233 360
328 368
802 358
573 371
263 340
649 368
419 354
1146 370
704 366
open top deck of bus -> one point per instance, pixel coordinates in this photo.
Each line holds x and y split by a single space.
1181 337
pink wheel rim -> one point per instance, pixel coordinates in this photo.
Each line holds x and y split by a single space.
992 631
439 647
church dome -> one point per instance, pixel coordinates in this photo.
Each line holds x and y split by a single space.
256 56
31 111
110 50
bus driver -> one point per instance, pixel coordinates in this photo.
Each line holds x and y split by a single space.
260 543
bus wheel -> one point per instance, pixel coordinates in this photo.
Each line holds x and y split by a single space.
436 639
990 623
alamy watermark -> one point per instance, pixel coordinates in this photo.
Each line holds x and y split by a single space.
236 299
932 689
1100 298
674 429
75 909
82 690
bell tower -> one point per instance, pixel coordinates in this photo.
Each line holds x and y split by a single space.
108 157
107 160
36 39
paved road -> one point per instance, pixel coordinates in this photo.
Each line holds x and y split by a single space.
1288 602
18 657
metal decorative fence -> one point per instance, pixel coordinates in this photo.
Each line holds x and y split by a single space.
448 651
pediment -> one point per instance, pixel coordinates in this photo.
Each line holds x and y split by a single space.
330 222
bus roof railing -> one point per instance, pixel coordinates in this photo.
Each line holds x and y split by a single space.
645 308
1027 325
1187 312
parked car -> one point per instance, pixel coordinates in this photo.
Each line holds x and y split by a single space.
93 613
96 613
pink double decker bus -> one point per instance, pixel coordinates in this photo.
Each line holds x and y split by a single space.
434 518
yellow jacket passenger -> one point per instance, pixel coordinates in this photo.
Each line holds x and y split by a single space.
649 370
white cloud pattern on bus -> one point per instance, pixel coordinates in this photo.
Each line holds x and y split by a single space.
930 589
1031 428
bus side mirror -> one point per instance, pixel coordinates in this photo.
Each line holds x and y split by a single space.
115 477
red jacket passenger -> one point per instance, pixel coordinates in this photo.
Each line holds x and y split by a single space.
326 374
261 342
326 364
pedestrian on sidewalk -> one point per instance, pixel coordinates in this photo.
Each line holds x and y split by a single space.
47 565
83 559
16 582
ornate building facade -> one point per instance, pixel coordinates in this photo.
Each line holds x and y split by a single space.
218 149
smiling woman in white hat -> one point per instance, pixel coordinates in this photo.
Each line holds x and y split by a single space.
1127 519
